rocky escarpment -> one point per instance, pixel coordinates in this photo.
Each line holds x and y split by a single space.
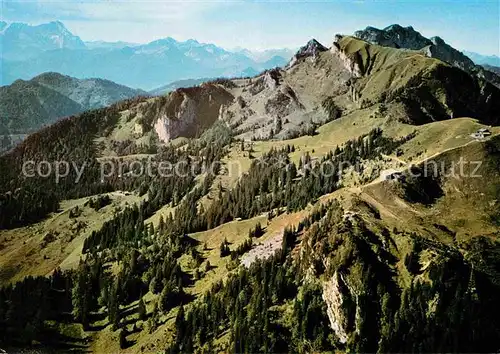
286 103
282 100
188 112
350 62
396 36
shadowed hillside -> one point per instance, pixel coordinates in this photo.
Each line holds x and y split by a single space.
26 106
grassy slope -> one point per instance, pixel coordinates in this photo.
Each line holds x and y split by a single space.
22 250
464 208
429 89
385 68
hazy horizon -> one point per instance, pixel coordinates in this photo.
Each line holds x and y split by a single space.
260 25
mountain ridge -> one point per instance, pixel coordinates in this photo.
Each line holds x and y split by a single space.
397 36
27 106
297 214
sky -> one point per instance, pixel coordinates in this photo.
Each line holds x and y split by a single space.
466 25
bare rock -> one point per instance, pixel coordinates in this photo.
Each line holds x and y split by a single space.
310 50
188 112
335 295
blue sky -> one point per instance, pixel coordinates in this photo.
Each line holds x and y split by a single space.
467 25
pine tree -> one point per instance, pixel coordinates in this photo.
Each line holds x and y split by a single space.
123 339
114 307
180 324
80 297
104 296
141 309
161 225
224 249
167 297
152 323
258 230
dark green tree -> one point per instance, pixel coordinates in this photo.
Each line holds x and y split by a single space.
141 309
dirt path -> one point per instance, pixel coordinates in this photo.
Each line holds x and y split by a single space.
395 158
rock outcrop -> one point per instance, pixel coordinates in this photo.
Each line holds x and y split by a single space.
350 63
334 295
310 50
272 78
188 112
441 50
394 36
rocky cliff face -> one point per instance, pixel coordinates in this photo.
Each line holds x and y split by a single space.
396 36
188 112
335 296
350 63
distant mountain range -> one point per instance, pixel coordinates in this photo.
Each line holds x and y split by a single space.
480 59
20 41
109 45
26 106
32 50
266 55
